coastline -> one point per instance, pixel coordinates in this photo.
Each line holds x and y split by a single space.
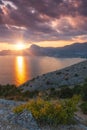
72 75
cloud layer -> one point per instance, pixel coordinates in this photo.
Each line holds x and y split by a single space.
42 20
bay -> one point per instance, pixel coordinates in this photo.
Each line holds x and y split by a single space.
18 69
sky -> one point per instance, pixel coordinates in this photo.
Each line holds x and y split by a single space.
42 22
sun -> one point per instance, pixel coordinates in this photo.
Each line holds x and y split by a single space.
20 46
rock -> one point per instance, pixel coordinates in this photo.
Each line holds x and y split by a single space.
24 119
65 127
12 121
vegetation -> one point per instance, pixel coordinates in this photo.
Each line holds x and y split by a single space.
83 107
14 93
66 92
51 106
51 112
11 92
76 75
84 92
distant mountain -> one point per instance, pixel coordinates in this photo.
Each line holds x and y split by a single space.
11 52
74 50
15 52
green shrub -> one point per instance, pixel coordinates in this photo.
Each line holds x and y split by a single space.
83 107
77 89
13 93
65 92
76 75
30 94
58 73
86 80
84 92
50 112
84 67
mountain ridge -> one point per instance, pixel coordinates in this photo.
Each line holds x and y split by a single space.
73 50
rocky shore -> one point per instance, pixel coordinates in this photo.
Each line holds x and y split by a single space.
72 75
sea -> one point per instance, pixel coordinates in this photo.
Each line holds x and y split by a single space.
18 69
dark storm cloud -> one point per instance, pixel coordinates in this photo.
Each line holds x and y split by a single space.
1 2
43 19
83 8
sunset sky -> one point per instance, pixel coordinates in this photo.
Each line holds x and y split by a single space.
42 22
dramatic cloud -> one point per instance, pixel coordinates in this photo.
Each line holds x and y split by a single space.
42 20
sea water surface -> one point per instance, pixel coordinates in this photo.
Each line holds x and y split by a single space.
18 69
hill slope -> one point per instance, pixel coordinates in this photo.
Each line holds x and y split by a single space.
73 75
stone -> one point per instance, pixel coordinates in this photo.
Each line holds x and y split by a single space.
25 119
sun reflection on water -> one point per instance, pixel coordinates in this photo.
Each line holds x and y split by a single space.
20 70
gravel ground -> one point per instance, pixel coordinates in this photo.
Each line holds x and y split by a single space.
7 126
71 127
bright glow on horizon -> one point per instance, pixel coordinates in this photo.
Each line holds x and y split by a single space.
20 46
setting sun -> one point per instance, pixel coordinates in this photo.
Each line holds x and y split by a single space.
20 46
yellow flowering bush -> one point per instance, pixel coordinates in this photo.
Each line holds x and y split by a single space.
50 112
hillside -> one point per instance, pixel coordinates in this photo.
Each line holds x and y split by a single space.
73 75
